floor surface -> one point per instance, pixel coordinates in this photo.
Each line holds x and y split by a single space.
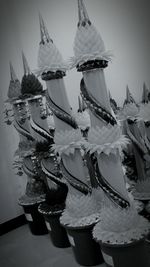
19 248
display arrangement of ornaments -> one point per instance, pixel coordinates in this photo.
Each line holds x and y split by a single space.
68 140
75 163
56 189
136 118
25 159
130 109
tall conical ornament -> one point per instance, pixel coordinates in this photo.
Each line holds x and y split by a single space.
14 90
25 65
49 57
45 38
129 98
83 15
145 94
12 73
88 44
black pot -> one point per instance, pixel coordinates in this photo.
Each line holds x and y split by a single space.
57 233
86 251
127 255
35 220
147 240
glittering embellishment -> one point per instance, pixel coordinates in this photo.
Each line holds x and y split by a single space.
75 182
112 193
51 175
23 131
42 132
61 114
47 209
92 64
51 75
95 107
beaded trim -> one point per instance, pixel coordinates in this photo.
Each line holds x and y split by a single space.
112 193
75 182
52 176
23 131
50 75
61 114
95 107
92 64
48 210
42 132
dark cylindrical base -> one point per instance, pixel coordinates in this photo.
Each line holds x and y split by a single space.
147 241
35 220
148 238
57 232
87 252
133 255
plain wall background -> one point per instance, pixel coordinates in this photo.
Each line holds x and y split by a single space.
124 27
